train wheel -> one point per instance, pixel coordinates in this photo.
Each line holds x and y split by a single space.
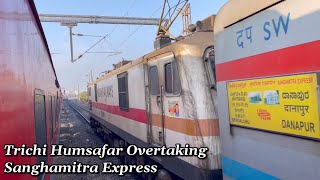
148 176
97 130
101 133
126 159
163 175
116 142
91 122
110 140
122 157
105 137
140 160
133 160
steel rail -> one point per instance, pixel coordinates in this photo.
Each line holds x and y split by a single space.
79 111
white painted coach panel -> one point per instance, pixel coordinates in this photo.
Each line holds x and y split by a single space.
136 87
276 28
271 41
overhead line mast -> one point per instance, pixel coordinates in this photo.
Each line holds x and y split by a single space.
93 19
72 20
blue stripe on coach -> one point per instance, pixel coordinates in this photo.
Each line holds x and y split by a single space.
237 170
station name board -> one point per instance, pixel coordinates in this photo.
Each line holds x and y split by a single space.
287 104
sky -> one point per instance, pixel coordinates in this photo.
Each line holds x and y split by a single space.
133 41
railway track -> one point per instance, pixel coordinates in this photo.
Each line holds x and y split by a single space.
81 107
115 141
74 107
78 133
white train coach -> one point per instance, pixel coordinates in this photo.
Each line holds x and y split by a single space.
267 64
163 98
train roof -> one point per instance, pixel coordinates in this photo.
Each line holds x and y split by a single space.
168 48
235 11
204 38
36 15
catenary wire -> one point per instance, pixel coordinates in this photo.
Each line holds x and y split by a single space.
104 37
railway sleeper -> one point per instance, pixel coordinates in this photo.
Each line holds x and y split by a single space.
114 140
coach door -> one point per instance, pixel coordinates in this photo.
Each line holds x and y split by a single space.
155 92
209 60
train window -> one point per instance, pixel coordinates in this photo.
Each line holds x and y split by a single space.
213 68
123 91
50 118
89 91
172 82
40 121
54 114
57 109
95 93
210 66
154 80
168 78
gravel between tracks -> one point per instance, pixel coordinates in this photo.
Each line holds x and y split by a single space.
76 132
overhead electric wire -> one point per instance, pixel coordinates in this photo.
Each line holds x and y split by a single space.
80 56
170 16
169 13
86 35
125 14
104 37
138 28
133 33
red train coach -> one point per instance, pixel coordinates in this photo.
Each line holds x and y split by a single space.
30 97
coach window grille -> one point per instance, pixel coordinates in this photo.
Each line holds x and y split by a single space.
50 118
89 91
154 80
168 78
95 93
40 123
54 114
56 110
123 91
172 82
210 66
